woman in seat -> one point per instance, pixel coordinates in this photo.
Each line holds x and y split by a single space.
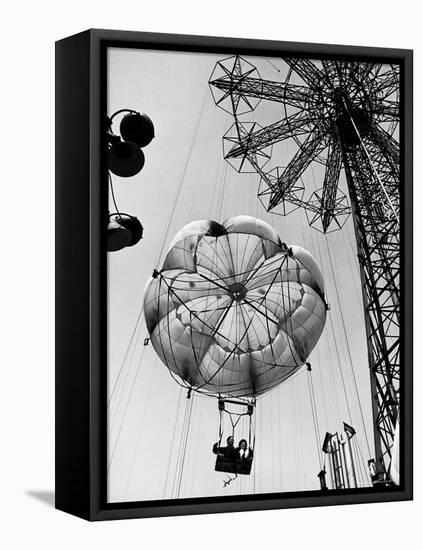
244 456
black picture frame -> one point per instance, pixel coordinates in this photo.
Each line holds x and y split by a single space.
81 324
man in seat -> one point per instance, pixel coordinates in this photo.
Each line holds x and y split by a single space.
229 452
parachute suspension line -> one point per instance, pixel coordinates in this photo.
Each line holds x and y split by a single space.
364 464
363 471
118 377
179 453
294 352
359 461
199 418
141 310
118 401
126 364
297 352
292 397
179 470
329 354
251 433
171 214
332 325
299 434
347 343
175 422
321 386
234 424
201 157
187 430
240 484
272 436
315 418
216 185
332 372
252 442
235 320
182 179
312 393
340 370
224 186
119 397
238 416
221 410
254 469
349 354
279 438
139 429
125 411
333 385
170 217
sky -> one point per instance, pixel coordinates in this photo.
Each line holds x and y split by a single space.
159 442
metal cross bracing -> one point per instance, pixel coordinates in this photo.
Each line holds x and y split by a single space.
345 116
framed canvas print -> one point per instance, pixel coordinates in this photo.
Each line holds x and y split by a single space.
234 256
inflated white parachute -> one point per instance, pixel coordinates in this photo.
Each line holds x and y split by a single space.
234 311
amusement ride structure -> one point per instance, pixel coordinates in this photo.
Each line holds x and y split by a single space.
233 312
343 115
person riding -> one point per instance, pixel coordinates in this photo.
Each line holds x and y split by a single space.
244 452
229 452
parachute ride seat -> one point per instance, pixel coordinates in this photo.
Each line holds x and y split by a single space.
231 464
228 458
225 458
226 465
244 468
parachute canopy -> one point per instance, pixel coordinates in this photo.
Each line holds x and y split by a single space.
234 311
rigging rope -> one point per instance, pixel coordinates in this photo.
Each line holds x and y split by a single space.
125 412
139 430
137 324
114 406
199 418
172 443
315 418
346 340
185 432
349 355
182 179
124 358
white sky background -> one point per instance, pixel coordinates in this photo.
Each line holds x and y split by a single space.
147 408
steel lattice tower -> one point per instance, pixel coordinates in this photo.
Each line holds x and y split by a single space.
344 115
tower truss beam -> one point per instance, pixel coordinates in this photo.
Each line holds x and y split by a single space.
347 113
